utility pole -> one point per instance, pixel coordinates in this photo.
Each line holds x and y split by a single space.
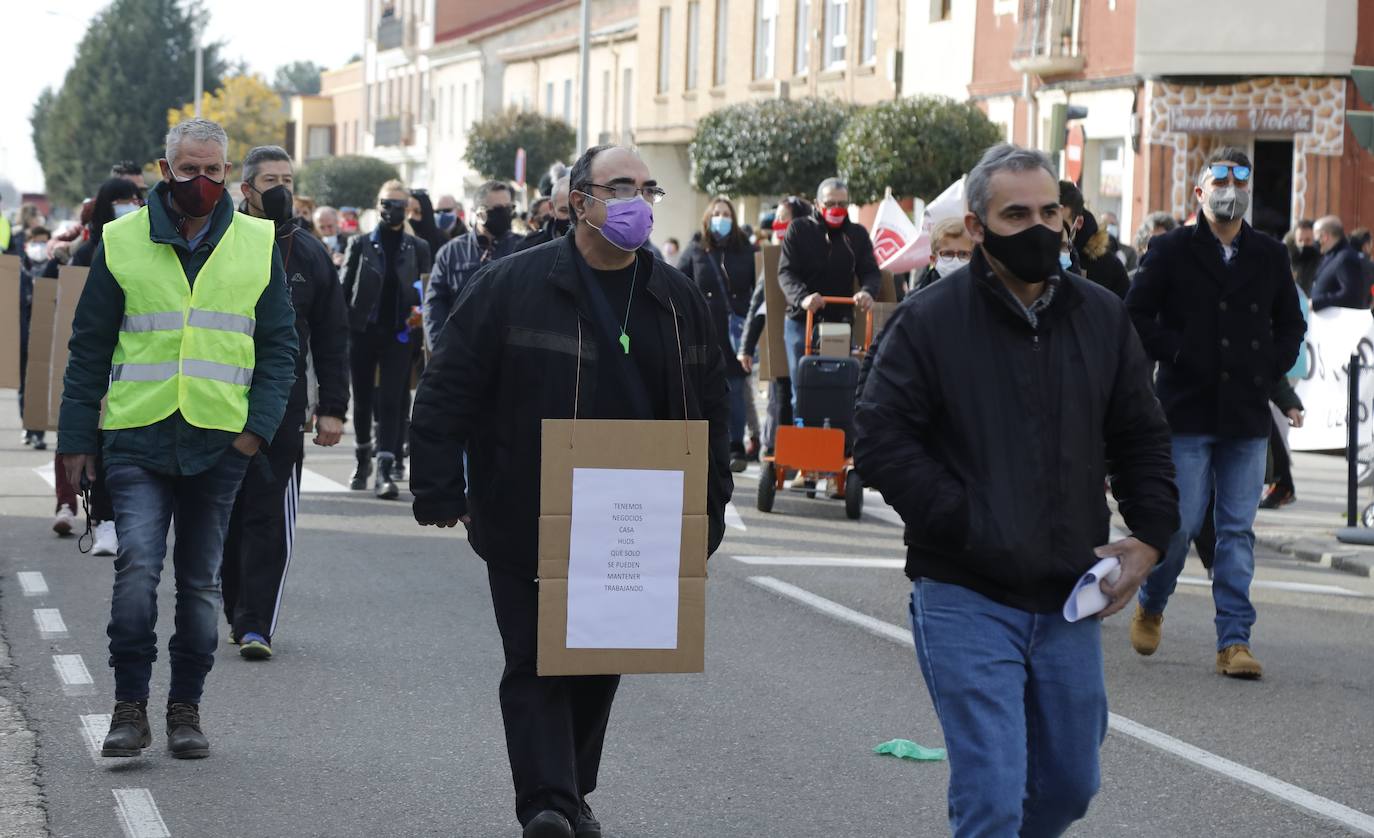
200 68
583 74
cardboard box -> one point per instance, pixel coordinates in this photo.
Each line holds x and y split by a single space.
71 281
620 444
9 322
40 354
772 361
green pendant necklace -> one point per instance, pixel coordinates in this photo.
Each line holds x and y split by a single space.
625 338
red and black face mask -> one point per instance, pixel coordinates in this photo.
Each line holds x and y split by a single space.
835 217
196 197
780 229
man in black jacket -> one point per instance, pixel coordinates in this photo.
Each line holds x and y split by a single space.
262 528
1340 278
1095 251
558 223
1000 399
1216 306
822 256
523 337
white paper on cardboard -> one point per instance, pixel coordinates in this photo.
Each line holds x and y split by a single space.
626 543
1087 598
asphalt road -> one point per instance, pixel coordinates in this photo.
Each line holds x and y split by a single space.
378 716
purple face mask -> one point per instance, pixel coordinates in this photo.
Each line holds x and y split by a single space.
629 221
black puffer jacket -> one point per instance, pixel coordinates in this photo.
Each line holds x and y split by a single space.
992 438
725 277
512 362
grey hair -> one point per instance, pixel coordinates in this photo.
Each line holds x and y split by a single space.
492 186
1331 225
322 211
1153 221
830 183
1004 157
199 130
253 160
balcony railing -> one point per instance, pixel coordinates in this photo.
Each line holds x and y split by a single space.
390 32
398 130
1048 41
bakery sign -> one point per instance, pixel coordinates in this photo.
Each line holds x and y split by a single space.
1240 120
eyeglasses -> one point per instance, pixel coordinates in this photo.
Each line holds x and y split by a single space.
389 203
954 254
1221 170
625 191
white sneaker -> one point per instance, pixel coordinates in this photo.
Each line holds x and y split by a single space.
66 517
106 541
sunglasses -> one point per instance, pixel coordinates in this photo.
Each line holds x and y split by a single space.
1221 170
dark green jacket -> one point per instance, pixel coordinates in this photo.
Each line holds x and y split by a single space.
172 446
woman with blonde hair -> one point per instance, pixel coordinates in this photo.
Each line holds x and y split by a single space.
950 249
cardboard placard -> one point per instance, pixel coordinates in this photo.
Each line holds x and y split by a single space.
71 281
658 446
9 322
773 347
40 354
882 312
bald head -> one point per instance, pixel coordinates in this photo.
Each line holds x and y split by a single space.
602 170
560 197
1329 232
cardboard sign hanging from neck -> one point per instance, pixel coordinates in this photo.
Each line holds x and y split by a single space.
622 546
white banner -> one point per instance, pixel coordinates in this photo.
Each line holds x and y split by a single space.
898 244
1333 335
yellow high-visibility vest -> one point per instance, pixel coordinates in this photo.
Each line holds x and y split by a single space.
183 348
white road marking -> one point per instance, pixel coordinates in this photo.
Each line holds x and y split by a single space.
138 814
72 672
45 471
93 730
50 623
732 518
1287 792
316 483
1278 585
876 507
820 561
32 583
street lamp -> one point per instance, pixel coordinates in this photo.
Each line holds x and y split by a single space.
583 73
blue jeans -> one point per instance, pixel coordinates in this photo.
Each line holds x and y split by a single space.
1234 470
146 505
738 386
1022 700
794 335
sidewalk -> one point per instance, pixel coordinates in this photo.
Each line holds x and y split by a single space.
1307 528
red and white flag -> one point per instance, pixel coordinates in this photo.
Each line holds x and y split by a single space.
898 244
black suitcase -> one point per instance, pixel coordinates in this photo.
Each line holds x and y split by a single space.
825 391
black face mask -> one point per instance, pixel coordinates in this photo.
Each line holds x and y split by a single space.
561 226
497 221
277 203
1031 255
1307 254
393 214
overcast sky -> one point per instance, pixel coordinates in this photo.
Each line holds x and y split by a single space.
42 36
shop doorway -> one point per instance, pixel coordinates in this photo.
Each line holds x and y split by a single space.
1273 187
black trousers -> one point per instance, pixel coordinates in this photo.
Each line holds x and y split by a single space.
262 535
555 727
381 382
1283 463
779 409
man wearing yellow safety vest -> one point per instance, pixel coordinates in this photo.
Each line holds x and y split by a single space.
186 321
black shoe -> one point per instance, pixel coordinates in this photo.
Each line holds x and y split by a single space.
184 737
587 824
38 443
384 487
738 463
129 731
363 470
1277 496
398 469
548 824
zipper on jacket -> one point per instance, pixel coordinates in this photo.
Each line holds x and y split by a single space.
1035 342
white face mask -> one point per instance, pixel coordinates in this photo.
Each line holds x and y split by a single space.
1114 231
121 210
332 241
37 252
946 266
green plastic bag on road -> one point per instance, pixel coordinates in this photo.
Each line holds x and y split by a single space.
906 749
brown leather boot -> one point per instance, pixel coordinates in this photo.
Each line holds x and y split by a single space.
1237 662
1146 630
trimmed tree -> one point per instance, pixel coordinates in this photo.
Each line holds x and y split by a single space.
297 78
492 143
134 63
348 181
769 147
916 146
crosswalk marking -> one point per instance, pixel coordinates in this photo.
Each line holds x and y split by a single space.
138 814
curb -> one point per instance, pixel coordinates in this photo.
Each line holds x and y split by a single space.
1332 554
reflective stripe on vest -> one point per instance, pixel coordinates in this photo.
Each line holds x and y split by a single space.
185 347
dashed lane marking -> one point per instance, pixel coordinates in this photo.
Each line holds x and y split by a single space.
93 730
1287 792
732 517
32 583
50 624
72 672
138 814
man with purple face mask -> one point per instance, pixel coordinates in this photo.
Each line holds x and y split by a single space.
594 307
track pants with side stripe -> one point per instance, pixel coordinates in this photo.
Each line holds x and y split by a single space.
262 533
